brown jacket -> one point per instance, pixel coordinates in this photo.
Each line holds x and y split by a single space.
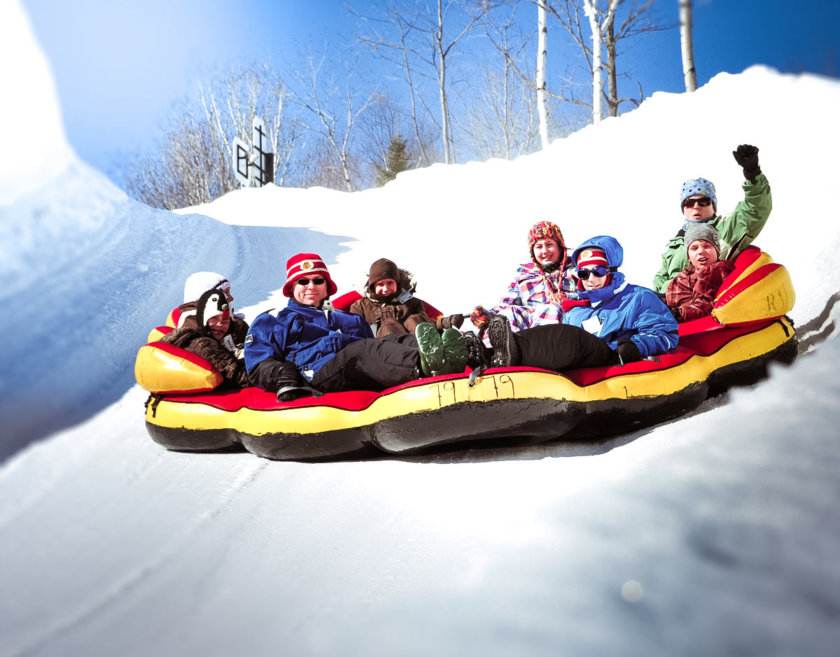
201 343
393 318
691 294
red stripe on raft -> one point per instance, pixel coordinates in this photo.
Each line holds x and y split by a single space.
747 282
183 353
703 344
258 399
746 258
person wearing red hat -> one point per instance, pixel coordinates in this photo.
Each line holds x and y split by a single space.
210 336
607 321
534 296
309 347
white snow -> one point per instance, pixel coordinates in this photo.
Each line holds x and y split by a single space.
716 534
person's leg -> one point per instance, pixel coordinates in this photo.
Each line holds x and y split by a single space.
372 364
561 347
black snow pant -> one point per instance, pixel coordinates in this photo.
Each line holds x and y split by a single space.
561 347
371 364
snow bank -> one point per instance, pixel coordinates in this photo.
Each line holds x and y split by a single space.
35 149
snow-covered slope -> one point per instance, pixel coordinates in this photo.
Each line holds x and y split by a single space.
712 535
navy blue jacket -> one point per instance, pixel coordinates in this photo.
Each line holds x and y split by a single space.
306 336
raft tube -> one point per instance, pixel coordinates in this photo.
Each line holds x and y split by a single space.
503 406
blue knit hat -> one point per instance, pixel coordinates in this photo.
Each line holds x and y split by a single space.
701 186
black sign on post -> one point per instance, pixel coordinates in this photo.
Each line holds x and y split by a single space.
254 164
240 162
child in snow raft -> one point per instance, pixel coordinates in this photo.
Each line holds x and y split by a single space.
310 347
698 202
209 336
535 295
611 322
691 294
196 285
389 305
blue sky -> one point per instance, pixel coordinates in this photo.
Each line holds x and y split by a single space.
119 65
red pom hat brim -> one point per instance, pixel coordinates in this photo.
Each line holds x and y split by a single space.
592 256
306 265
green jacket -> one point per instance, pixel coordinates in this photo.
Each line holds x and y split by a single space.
737 231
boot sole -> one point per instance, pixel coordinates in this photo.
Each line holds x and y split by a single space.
499 333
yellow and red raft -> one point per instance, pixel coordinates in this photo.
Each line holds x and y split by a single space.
748 329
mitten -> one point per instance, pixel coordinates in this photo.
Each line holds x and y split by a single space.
453 321
480 317
570 302
628 352
747 157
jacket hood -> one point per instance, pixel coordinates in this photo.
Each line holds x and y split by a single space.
609 245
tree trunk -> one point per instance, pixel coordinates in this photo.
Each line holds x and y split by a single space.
610 66
542 48
687 42
595 29
444 106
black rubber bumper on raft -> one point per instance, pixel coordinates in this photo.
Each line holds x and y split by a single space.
502 422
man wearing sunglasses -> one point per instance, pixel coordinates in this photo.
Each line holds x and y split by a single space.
607 322
698 203
309 347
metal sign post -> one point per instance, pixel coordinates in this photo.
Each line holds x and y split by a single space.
254 163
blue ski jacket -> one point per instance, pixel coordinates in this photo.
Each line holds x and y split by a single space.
306 336
621 311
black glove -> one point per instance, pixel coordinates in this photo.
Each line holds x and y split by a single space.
452 321
747 157
627 352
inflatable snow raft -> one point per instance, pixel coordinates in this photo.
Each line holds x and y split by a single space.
747 330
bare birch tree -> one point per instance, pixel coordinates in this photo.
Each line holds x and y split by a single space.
536 79
399 51
192 163
426 41
687 43
542 54
503 120
333 109
601 20
231 106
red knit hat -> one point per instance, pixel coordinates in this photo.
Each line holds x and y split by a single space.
306 265
592 256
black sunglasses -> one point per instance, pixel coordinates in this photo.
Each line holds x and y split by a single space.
598 272
305 281
702 202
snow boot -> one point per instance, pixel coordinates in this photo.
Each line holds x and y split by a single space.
455 351
505 351
478 355
431 348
